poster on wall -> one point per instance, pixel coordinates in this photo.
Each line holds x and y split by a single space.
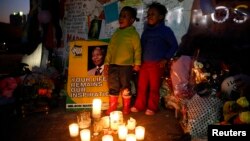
85 78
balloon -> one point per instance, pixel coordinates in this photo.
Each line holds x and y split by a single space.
228 85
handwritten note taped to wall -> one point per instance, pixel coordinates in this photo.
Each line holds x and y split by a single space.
75 20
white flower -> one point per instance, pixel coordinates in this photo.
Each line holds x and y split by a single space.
214 76
198 64
206 74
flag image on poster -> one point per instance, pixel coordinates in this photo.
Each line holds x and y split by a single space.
85 75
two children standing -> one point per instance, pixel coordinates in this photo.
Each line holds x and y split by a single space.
148 55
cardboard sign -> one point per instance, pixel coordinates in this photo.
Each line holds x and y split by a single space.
82 87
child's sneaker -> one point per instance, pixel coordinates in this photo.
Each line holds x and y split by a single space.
134 110
149 112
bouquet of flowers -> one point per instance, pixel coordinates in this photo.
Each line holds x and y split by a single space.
207 77
40 85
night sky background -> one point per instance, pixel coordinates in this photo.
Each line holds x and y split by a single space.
8 7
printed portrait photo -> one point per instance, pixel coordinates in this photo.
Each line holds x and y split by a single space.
96 56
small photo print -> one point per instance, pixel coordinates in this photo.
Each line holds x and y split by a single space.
95 28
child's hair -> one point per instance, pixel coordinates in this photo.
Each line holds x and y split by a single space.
132 11
159 7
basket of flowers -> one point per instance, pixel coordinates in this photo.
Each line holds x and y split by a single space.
37 85
36 93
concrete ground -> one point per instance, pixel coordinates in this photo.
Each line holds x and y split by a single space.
163 126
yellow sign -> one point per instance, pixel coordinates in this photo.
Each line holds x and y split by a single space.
82 85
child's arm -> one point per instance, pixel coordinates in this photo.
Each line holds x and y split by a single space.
137 51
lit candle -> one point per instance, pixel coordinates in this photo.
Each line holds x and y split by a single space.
85 135
140 132
105 122
122 132
116 119
107 138
131 137
131 123
96 109
73 129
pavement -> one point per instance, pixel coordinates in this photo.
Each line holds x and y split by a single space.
54 126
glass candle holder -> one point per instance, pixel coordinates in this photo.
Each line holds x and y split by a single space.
84 120
122 132
131 137
116 119
131 123
96 108
97 127
140 132
85 135
107 138
105 122
73 129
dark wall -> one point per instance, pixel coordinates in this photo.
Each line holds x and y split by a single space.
227 42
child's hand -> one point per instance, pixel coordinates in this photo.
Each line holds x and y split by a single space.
136 67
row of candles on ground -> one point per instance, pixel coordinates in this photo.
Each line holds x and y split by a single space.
123 134
113 123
